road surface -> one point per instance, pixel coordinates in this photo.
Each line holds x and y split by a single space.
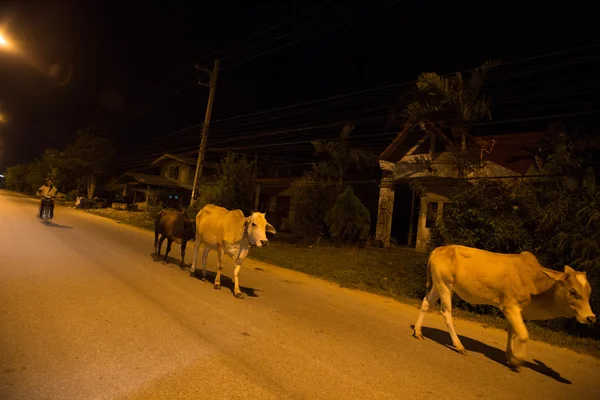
86 314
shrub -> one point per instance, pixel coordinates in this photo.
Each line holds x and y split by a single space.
348 220
315 198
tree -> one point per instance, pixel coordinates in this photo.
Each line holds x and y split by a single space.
315 198
234 187
16 177
453 102
86 158
339 158
348 220
37 173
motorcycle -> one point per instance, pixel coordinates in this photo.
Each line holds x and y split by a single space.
47 202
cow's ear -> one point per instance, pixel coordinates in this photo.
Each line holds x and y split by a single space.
269 228
557 276
247 222
570 271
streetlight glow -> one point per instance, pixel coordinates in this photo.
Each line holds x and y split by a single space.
3 41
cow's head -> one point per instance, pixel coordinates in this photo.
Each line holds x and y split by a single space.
573 294
256 226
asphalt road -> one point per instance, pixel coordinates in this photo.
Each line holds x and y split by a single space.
85 313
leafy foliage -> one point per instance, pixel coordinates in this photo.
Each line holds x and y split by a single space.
454 96
314 200
86 158
348 220
234 188
81 162
16 177
450 102
339 158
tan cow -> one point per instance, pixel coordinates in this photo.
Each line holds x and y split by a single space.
228 232
515 283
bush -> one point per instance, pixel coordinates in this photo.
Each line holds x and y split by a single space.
315 198
487 215
348 220
234 187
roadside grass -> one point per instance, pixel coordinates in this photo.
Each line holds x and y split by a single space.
397 273
141 219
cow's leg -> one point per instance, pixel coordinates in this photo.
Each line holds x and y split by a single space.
510 341
155 245
446 301
518 336
219 269
204 261
428 300
236 276
160 243
194 259
169 243
182 263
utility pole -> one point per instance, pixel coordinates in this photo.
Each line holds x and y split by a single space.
211 96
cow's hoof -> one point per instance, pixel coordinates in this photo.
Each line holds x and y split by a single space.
418 336
462 351
192 273
217 286
165 262
516 368
239 295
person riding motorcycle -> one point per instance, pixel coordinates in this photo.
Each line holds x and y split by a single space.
47 190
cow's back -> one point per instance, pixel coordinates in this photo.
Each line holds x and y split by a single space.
483 277
216 224
173 224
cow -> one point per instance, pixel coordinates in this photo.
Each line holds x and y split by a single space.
175 226
228 232
515 283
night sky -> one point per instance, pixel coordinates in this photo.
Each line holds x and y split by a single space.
134 78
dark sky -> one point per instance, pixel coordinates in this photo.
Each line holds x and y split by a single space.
133 77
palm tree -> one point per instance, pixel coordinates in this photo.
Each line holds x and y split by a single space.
339 158
450 101
453 102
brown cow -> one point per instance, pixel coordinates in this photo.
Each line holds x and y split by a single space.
175 226
515 283
228 232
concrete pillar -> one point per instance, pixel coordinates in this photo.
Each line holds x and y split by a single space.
385 212
422 231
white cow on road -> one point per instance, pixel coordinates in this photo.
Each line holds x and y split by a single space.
515 283
228 232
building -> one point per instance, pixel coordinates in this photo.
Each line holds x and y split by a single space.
169 179
428 156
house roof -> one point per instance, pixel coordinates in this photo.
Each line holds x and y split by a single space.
181 158
152 180
510 150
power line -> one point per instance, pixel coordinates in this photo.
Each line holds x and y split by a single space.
315 34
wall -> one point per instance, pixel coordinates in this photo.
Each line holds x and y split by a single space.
431 209
186 175
276 203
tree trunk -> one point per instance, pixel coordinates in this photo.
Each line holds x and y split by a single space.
91 186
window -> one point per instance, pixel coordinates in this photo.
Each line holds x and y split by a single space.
283 206
175 173
432 210
447 208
